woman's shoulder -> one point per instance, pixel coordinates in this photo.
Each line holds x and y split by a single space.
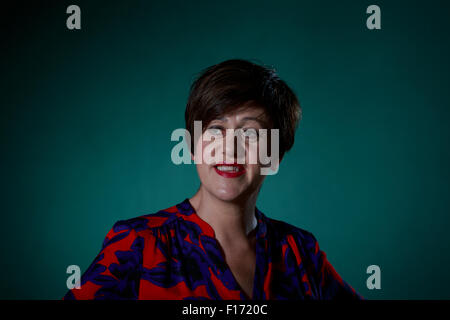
147 221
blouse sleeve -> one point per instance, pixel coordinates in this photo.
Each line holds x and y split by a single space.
115 272
331 285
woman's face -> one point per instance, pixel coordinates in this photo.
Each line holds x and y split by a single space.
233 178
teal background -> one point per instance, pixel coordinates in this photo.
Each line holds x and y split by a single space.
86 119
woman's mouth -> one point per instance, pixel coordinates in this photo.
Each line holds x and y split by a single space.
230 170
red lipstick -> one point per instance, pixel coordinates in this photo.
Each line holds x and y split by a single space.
233 170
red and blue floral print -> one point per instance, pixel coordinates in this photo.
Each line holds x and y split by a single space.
173 254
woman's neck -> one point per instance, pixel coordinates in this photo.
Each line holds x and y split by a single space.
232 221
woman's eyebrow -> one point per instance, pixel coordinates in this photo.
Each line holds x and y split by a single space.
251 118
258 119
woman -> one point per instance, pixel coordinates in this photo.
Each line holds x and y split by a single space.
217 244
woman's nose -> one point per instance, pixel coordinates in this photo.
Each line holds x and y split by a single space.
232 145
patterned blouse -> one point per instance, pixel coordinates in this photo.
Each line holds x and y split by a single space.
173 254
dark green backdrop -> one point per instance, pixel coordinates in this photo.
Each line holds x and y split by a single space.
86 118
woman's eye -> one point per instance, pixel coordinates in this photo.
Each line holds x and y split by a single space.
214 131
250 133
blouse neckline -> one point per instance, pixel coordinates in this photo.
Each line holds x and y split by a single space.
187 211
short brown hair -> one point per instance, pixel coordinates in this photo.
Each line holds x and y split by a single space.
224 87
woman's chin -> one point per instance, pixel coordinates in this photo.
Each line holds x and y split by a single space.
228 195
